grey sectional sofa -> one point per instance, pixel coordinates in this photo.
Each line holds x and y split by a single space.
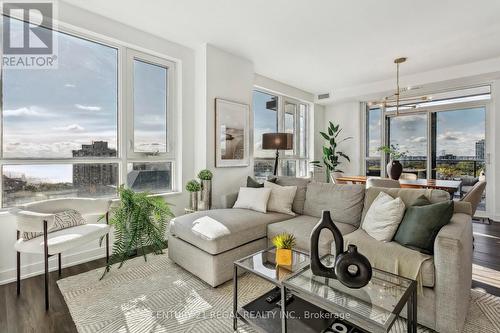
446 276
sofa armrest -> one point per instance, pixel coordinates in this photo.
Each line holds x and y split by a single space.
453 264
228 200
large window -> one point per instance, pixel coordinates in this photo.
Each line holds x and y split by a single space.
442 139
60 126
409 134
275 113
373 141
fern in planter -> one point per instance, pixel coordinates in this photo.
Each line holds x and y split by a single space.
140 223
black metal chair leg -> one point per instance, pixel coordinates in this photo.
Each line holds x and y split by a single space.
46 257
59 261
107 248
18 273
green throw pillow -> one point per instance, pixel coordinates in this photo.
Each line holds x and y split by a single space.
421 224
251 182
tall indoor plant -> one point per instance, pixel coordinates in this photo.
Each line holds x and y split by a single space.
140 223
331 156
394 167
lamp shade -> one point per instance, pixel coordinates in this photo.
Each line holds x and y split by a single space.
282 141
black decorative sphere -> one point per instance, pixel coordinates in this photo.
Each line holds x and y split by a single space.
352 268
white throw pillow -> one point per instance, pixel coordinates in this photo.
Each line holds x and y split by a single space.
281 198
253 198
383 217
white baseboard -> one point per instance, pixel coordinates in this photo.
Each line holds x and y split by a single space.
37 268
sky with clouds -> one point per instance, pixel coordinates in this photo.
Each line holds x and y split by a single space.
457 132
265 121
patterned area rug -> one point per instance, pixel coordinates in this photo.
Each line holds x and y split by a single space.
159 296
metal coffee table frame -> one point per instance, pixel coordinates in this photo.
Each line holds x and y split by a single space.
409 298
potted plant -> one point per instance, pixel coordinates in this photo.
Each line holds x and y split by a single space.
447 172
284 243
394 167
140 223
193 187
331 156
206 189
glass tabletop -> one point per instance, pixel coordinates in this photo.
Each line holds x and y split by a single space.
377 302
263 264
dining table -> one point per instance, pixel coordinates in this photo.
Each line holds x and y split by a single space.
450 186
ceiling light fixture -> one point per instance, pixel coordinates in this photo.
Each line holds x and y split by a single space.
395 99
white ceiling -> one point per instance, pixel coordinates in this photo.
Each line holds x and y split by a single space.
323 45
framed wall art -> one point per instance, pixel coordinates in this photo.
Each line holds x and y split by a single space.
231 134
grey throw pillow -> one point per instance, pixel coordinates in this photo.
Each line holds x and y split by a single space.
62 220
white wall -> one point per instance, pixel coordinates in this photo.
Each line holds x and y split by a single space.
33 264
348 116
227 76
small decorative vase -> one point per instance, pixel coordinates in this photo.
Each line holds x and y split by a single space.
325 223
394 169
206 195
283 257
193 203
352 268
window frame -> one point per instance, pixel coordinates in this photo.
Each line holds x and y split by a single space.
282 100
124 114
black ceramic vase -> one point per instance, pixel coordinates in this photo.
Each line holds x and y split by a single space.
316 266
394 169
352 268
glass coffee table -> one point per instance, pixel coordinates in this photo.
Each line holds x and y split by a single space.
321 304
260 314
373 308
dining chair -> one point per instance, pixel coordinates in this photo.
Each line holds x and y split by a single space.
408 176
39 217
475 195
334 177
382 182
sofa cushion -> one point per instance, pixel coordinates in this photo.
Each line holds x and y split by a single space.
408 195
244 226
421 224
281 198
300 194
253 198
344 201
384 216
301 227
392 257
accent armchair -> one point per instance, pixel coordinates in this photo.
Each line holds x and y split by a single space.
40 216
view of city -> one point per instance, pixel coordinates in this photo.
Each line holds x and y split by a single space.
26 183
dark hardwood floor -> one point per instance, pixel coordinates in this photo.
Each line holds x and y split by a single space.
27 313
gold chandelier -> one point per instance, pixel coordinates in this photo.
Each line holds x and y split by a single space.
395 99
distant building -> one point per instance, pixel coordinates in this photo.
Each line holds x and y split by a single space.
480 149
91 176
96 149
13 184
